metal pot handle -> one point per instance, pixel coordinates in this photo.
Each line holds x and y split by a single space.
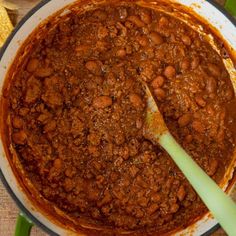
23 225
230 6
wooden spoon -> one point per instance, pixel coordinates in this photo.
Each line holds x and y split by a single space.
221 206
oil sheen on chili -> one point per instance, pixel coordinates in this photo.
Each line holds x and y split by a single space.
77 110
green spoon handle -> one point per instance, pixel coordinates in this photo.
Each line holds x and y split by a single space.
221 206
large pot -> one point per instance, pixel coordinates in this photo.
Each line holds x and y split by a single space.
207 12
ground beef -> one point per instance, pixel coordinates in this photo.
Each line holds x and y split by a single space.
77 110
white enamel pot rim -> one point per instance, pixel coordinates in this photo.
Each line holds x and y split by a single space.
207 9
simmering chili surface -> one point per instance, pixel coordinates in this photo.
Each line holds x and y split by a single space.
77 110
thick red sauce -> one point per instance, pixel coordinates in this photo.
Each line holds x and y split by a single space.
77 110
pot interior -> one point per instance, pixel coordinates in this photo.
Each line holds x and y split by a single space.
48 8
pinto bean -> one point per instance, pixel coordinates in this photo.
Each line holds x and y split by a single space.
50 126
139 213
24 111
123 13
145 17
19 137
186 40
143 201
94 139
102 32
213 165
181 193
32 65
17 122
163 22
121 53
185 64
33 91
146 30
211 85
200 101
214 69
174 208
136 20
93 193
229 93
102 102
129 24
188 138
82 50
198 126
100 15
153 208
184 120
156 38
158 82
57 164
93 151
43 72
155 197
68 185
160 94
136 100
150 53
94 67
169 72
142 40
195 62
139 123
